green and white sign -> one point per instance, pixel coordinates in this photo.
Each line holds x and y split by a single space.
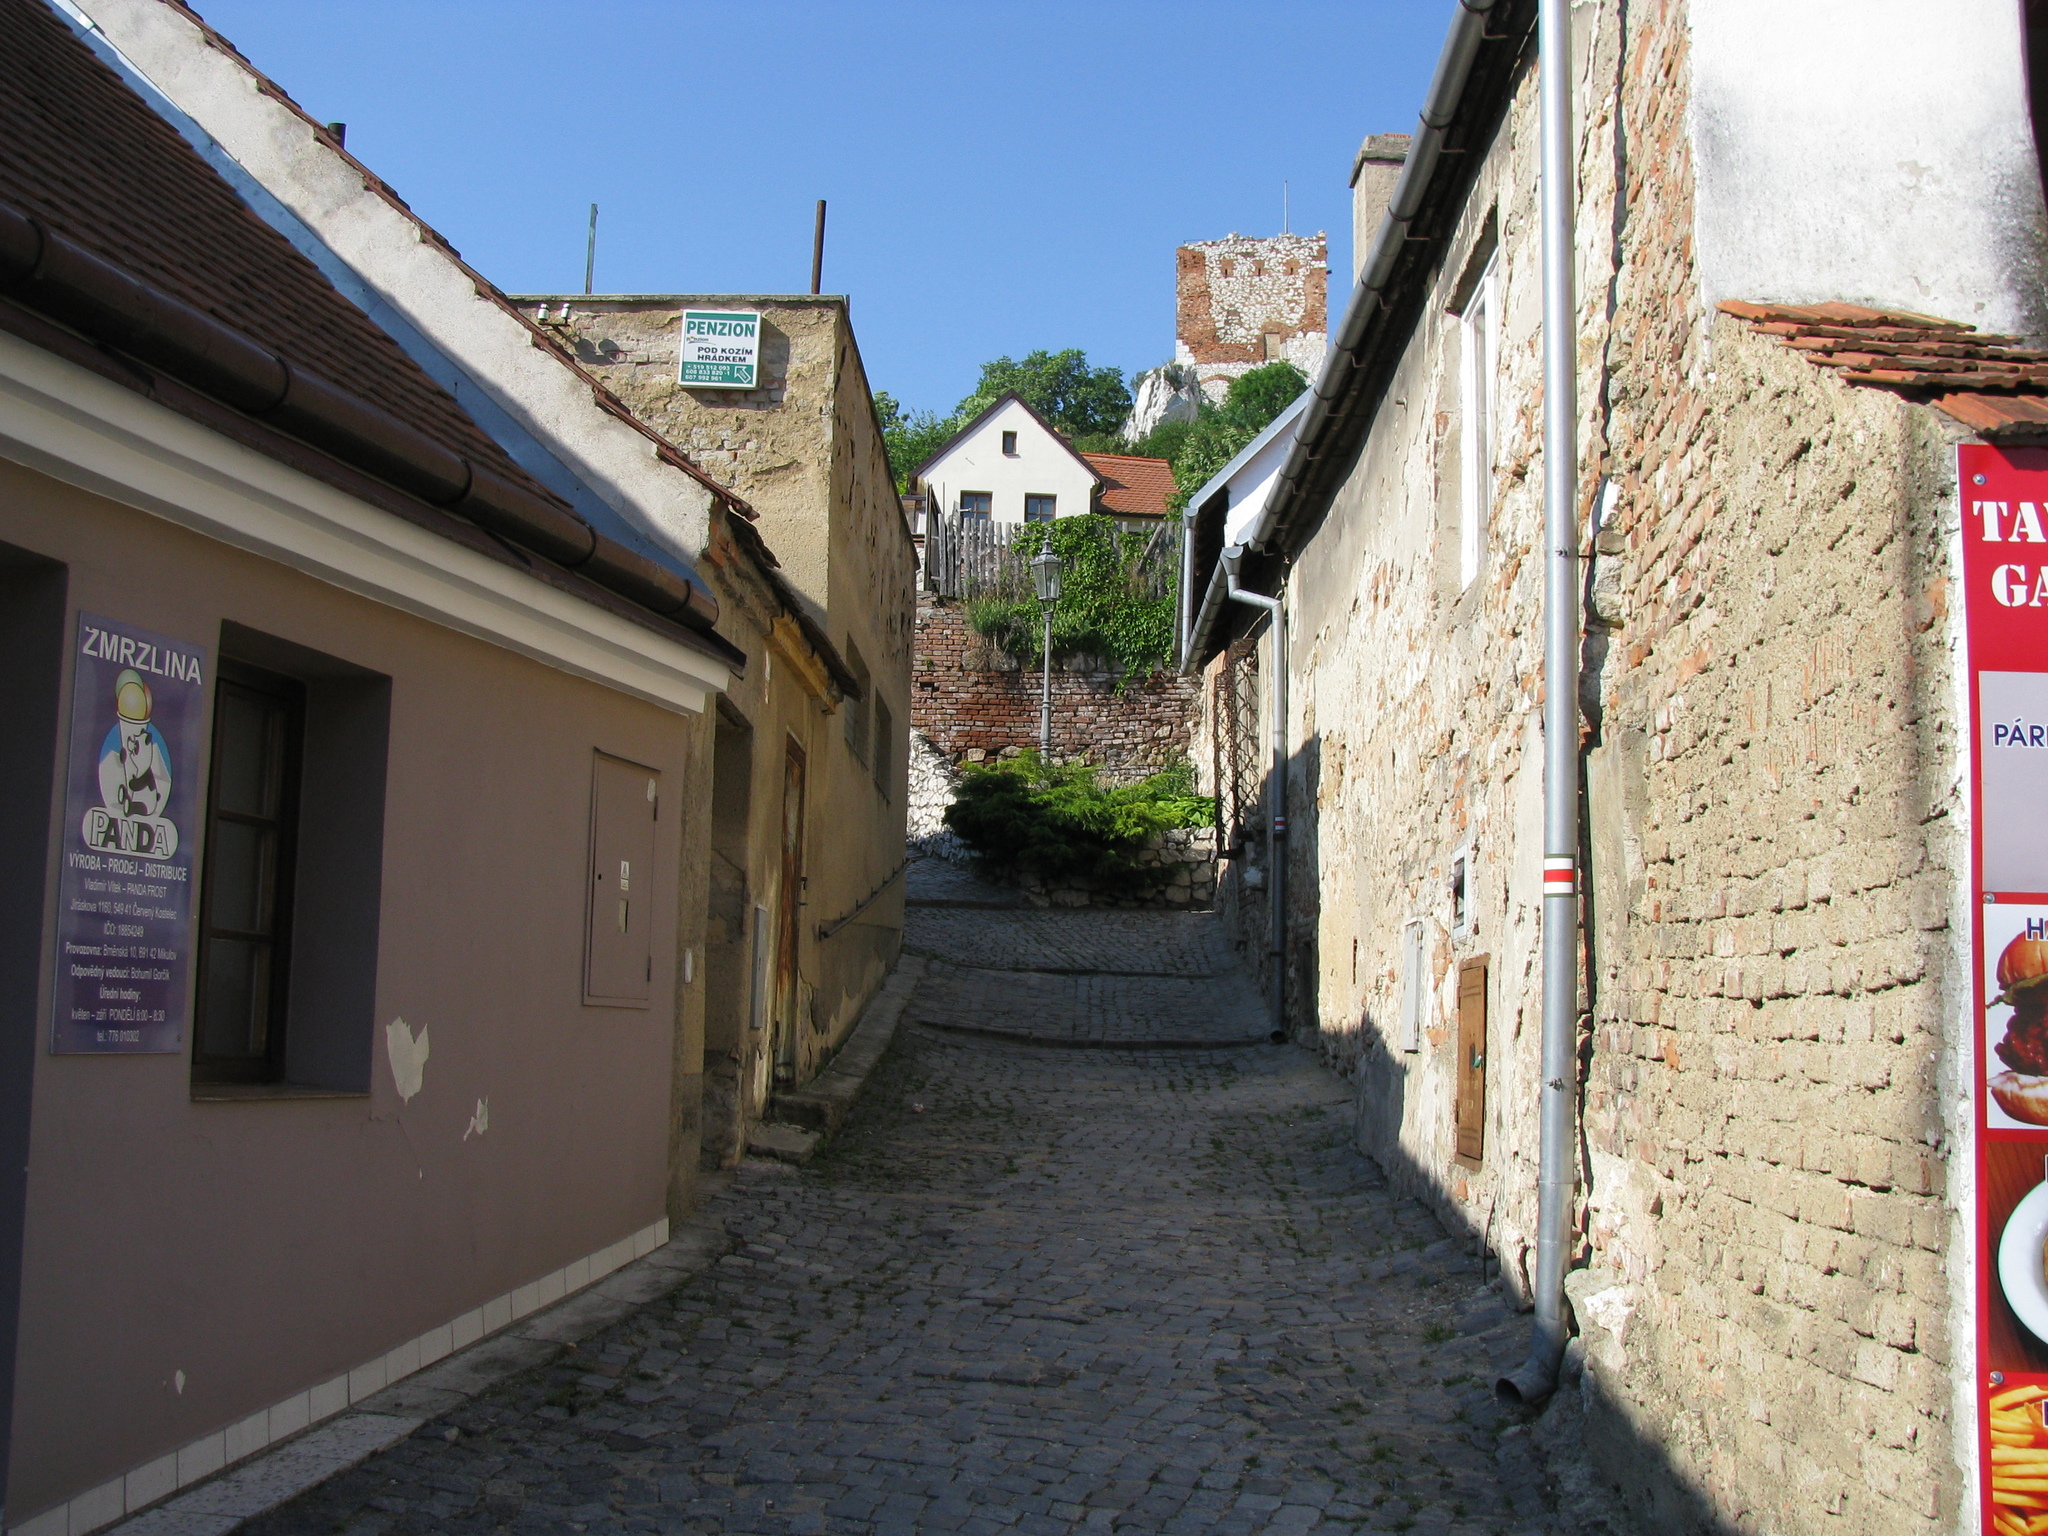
721 349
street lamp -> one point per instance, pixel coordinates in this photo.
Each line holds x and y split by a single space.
1045 576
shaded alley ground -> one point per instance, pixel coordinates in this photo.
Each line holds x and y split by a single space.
1082 1260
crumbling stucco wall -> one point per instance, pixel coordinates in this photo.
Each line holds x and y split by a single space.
804 450
1774 829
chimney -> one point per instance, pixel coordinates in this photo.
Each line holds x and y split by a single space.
1373 175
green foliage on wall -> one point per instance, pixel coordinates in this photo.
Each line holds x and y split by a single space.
1104 607
1061 824
1255 398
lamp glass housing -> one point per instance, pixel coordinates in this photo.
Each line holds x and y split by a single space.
1046 568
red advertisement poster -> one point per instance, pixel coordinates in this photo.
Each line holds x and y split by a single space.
2005 607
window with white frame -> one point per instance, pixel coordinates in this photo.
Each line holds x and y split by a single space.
1479 324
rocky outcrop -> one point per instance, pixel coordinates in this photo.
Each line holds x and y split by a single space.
1167 393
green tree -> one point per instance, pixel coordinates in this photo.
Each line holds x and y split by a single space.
1078 400
1255 398
910 437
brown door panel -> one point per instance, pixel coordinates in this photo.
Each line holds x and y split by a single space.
1471 1107
619 946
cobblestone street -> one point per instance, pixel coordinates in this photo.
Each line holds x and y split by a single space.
1055 1275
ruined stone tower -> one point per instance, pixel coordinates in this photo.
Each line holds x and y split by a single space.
1243 301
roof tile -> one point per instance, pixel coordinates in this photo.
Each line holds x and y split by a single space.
1132 486
90 159
1951 363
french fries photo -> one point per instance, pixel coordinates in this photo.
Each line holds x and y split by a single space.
2019 1462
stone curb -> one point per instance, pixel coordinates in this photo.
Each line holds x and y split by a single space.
821 1106
261 1484
1058 1043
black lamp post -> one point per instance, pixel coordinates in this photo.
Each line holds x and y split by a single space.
1045 576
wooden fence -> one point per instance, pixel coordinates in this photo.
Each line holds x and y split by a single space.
978 557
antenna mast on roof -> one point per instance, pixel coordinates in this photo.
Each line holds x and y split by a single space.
1286 228
818 250
590 251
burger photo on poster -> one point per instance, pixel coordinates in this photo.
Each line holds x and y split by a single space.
2016 1016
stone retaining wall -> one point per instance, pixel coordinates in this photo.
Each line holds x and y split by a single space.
1189 852
973 704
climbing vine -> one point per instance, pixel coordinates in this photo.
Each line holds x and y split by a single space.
1107 605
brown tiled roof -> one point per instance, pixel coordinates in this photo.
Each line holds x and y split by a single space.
1994 385
92 161
664 450
1131 486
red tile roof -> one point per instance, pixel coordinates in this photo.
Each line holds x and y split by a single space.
1992 384
1131 486
664 450
90 159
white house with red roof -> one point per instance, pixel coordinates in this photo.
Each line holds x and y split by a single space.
1008 465
1011 465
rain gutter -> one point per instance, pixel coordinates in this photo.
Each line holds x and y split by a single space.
1360 333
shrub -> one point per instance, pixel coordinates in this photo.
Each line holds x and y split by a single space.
1249 407
1031 816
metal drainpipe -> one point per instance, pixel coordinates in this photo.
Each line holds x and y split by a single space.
1537 1376
1276 860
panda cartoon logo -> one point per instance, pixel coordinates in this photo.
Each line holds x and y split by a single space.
135 779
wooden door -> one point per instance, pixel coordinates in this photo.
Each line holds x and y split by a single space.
789 926
1471 1060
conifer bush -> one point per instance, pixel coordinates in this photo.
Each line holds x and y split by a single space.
1060 823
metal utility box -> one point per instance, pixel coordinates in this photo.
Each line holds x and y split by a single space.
618 964
1472 1060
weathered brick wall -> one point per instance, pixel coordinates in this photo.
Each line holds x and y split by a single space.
973 705
1772 1020
1777 851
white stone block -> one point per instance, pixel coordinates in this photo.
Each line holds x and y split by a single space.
51 1522
202 1458
466 1330
290 1416
151 1481
247 1437
99 1506
401 1362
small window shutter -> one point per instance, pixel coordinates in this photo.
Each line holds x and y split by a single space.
1471 1060
1414 986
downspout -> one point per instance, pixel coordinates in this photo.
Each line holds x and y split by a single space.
1558 1099
1276 794
1184 603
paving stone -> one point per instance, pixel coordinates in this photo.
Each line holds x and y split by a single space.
1028 1291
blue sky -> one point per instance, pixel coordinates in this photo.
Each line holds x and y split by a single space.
1001 178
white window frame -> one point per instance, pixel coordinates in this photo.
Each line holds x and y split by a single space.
1479 379
1464 894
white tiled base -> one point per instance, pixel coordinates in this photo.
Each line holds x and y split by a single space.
147 1484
